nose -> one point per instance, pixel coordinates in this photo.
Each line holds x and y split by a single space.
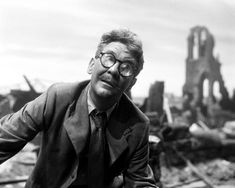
114 69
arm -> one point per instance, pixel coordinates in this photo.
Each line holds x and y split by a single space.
139 173
19 128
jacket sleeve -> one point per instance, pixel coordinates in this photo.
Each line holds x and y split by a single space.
18 128
139 174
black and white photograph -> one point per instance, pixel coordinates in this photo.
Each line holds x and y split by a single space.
117 94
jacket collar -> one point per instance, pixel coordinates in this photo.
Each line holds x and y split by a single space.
77 122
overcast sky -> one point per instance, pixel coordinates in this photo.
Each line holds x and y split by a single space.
54 39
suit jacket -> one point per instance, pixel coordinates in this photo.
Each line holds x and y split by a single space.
61 114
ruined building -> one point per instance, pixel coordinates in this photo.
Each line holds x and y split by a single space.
155 99
201 65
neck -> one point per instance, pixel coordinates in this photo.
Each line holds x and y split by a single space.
101 103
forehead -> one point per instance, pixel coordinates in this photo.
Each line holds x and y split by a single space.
119 50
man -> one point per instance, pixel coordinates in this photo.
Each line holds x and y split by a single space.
65 115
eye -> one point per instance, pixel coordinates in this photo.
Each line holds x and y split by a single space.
107 60
126 66
126 69
108 57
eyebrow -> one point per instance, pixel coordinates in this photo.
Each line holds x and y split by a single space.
126 59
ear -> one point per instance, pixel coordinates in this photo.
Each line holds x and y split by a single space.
91 66
132 84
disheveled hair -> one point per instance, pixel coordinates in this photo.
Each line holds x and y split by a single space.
128 38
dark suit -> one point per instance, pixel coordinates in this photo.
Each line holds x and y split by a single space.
61 114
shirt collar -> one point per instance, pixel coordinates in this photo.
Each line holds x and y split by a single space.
91 105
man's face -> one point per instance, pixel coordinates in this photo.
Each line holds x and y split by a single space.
107 82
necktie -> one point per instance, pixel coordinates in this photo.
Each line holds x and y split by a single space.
96 157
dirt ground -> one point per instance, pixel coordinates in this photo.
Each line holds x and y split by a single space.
220 172
18 167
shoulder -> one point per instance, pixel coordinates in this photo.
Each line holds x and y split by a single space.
131 119
66 91
137 123
55 101
128 109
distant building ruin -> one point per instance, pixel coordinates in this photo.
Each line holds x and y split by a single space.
155 98
201 65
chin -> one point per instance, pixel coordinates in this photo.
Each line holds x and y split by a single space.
108 93
105 93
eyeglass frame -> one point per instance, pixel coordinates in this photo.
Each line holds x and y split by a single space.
120 63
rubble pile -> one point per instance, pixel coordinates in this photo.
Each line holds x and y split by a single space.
15 171
220 172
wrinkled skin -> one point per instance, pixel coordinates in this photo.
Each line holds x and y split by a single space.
107 85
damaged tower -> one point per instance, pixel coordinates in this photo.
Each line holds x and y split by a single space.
202 65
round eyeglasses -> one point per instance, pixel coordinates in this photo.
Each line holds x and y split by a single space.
125 68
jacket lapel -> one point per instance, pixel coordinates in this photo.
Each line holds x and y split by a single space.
116 145
118 129
77 122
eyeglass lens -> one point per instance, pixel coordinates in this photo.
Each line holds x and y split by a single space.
108 60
